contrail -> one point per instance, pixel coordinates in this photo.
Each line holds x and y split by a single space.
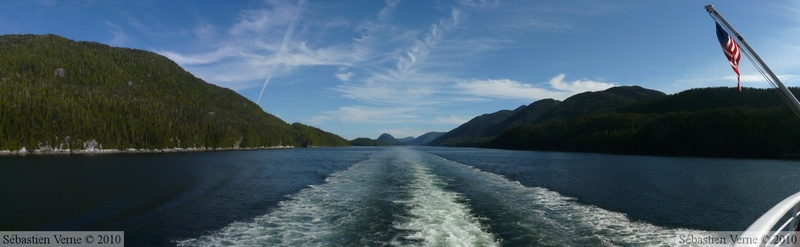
286 37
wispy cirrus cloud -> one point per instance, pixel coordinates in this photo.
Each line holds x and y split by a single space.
205 31
418 80
119 37
410 77
278 15
385 115
284 44
383 69
362 114
782 50
260 45
344 75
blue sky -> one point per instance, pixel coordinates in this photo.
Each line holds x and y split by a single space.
362 68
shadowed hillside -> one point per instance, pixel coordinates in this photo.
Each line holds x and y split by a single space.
696 122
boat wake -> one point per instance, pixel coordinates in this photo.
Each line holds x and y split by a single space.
406 197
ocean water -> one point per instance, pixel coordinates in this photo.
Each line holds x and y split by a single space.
395 196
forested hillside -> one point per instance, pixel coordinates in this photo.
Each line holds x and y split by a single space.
485 128
696 122
364 141
587 103
475 131
308 136
426 138
58 93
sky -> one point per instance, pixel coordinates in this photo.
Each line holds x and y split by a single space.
362 68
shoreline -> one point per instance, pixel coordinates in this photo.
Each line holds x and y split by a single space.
23 151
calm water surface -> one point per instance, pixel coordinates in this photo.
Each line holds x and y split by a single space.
399 196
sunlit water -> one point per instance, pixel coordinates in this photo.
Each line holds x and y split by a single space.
401 196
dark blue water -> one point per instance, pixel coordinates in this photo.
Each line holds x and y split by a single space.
157 198
389 196
698 193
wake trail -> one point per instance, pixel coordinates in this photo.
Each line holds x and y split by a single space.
389 199
521 215
437 217
406 197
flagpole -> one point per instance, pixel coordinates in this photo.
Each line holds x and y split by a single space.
787 94
761 227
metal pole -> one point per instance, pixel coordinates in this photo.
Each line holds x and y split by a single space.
788 94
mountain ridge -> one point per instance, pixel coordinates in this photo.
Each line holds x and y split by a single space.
389 139
486 127
716 122
474 131
65 94
425 139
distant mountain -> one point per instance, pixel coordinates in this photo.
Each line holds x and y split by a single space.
696 122
387 138
363 141
424 139
383 140
407 139
56 93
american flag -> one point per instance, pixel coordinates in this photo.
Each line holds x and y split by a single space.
731 52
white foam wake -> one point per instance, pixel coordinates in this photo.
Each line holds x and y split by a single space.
405 197
557 220
312 217
438 217
391 199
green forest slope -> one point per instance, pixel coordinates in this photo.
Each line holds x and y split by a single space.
698 122
59 93
487 127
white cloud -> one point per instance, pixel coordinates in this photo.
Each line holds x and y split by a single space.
204 58
398 93
259 45
360 114
408 76
505 89
416 56
787 78
775 44
578 86
260 21
391 72
344 76
454 120
510 89
758 78
205 31
419 75
385 115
